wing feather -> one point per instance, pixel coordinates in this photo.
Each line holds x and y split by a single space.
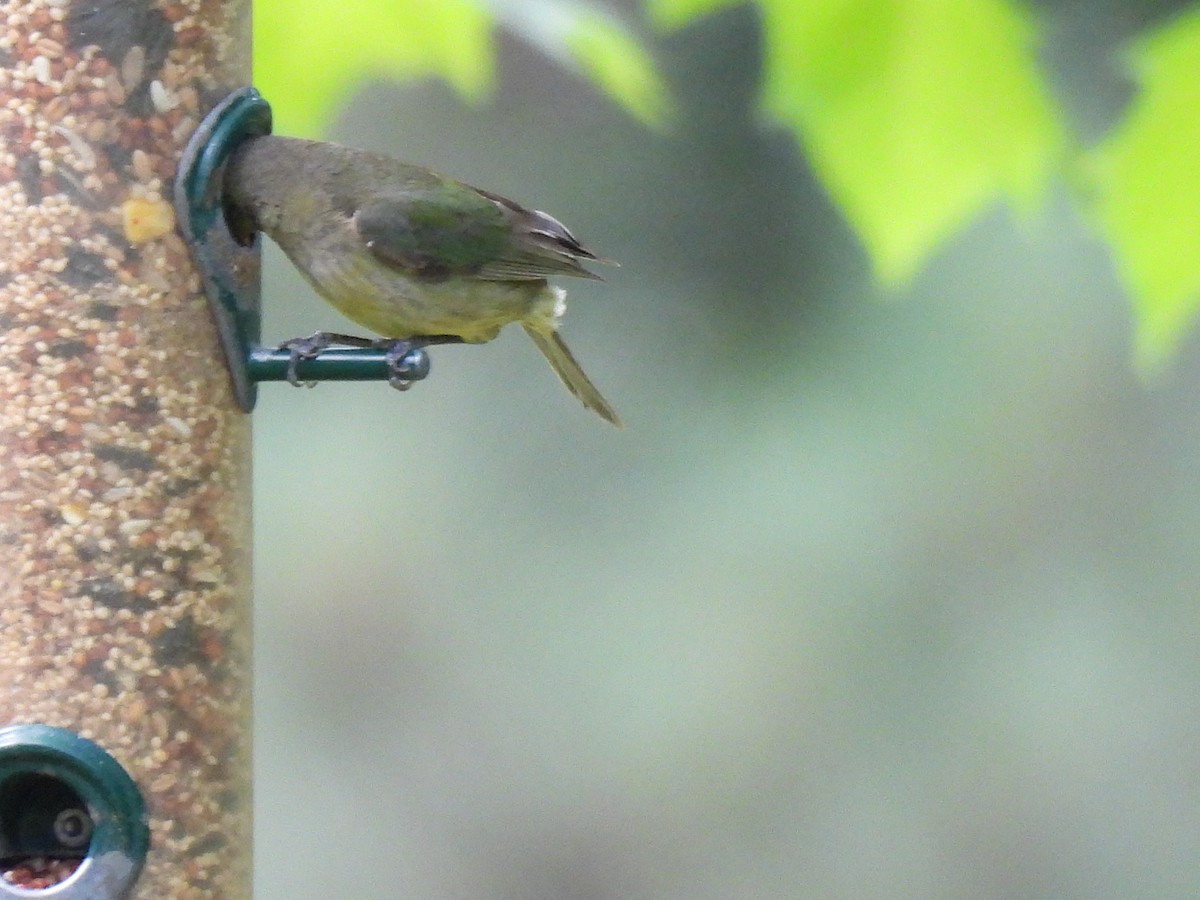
453 229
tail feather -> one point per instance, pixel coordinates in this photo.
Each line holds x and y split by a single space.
569 371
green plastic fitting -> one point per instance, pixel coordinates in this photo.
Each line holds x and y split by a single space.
64 800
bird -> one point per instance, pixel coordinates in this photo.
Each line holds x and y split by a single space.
414 256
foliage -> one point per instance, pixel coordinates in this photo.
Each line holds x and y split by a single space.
1147 201
310 54
916 114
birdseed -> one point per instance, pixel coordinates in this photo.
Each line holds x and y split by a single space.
124 462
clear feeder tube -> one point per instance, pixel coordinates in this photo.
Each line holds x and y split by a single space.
124 461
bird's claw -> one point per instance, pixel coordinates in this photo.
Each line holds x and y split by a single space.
304 348
405 358
406 362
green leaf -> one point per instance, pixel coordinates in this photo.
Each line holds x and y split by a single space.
621 66
673 13
914 113
1147 200
587 37
309 54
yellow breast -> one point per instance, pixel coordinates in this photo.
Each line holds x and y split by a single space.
396 306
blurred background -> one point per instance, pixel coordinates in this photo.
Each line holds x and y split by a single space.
878 594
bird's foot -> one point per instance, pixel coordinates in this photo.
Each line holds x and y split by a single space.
406 358
305 348
313 345
406 361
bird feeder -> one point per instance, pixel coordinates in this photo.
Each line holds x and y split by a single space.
124 466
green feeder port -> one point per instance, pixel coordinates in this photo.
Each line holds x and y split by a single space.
72 822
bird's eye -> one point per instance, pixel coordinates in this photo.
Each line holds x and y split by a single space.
73 827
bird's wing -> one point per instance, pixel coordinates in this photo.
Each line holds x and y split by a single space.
433 231
540 245
453 229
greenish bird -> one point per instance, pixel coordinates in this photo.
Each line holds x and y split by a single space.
409 253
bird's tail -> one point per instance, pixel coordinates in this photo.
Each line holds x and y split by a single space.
569 371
